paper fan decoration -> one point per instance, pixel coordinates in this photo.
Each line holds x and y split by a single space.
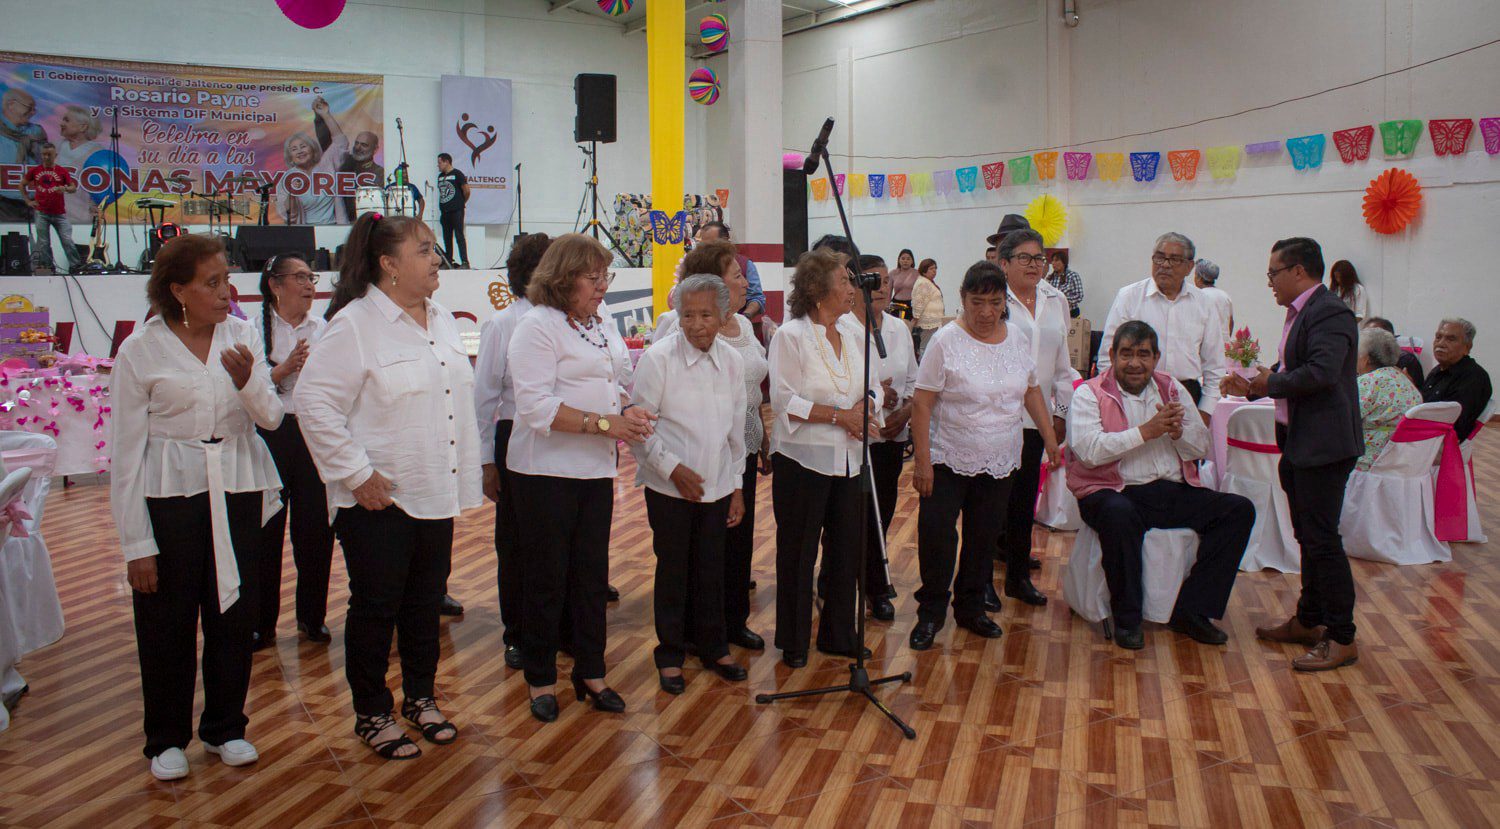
615 8
1048 217
1392 201
703 86
311 14
713 30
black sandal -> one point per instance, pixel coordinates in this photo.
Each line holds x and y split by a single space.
413 709
368 727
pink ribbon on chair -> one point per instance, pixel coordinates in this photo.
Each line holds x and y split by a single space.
1263 448
16 515
1451 510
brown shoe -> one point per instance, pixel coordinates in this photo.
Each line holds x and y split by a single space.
1327 655
1292 632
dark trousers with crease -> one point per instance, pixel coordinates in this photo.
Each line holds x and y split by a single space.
1020 508
886 460
1316 497
565 543
688 537
809 507
739 551
508 543
305 497
979 499
398 566
453 225
166 623
1222 520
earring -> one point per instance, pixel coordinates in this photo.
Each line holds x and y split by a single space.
395 280
185 323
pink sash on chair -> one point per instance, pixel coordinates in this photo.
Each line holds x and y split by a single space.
1451 510
1263 448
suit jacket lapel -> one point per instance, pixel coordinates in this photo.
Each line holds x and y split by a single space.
1287 359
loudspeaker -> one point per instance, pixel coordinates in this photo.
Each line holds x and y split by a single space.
794 215
322 261
15 254
595 97
257 243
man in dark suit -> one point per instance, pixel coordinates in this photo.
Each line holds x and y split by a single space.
1319 431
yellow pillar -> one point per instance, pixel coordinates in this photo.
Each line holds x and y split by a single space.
666 89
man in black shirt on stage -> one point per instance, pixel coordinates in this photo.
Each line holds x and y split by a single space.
453 193
1457 377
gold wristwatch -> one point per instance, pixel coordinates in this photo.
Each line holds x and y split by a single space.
603 424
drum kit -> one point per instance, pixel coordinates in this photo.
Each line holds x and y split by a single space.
391 200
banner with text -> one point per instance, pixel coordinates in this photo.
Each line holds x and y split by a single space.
295 146
476 132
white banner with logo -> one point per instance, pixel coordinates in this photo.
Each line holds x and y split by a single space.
477 133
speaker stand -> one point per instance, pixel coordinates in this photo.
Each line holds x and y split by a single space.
591 195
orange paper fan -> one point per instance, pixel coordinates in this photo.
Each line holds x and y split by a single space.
1392 201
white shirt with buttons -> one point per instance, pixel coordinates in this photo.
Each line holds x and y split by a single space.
494 392
284 338
380 392
1188 328
699 399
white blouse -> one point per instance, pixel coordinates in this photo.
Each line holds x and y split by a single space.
284 337
382 393
494 391
753 354
1047 336
166 405
899 365
551 364
804 371
981 389
699 400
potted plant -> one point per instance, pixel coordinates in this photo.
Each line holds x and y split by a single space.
1243 350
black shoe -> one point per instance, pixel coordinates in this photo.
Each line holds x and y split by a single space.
922 636
1034 563
991 599
794 659
848 654
606 700
544 707
614 593
747 638
13 698
1130 639
981 626
314 634
673 685
450 606
513 657
882 609
1198 628
261 639
728 670
1020 587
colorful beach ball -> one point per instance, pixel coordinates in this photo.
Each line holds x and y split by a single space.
615 8
714 31
703 86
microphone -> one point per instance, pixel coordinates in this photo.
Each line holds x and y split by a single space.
820 145
398 122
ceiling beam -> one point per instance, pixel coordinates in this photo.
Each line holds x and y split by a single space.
560 5
640 25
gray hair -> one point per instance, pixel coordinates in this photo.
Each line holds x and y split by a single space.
1464 326
1380 346
91 125
1192 252
1017 238
1206 270
704 283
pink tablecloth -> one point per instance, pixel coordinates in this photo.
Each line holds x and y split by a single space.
72 409
1220 426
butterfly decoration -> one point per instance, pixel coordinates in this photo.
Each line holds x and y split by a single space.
1263 148
877 185
499 294
1223 162
1354 144
1184 164
1400 137
838 183
993 172
1020 170
669 230
819 189
1450 136
1143 165
944 182
921 184
968 179
1111 166
898 185
1046 165
1490 128
1307 151
859 185
1077 165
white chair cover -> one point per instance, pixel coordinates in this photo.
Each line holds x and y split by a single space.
1252 472
30 612
1167 557
1417 346
1055 505
1466 448
1388 510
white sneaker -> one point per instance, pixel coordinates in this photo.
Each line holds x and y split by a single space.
234 752
171 764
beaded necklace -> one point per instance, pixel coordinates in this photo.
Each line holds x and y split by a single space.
584 330
834 375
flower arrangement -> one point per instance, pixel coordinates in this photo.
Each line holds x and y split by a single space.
1243 349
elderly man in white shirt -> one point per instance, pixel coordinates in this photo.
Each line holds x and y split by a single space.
1191 332
691 467
1133 443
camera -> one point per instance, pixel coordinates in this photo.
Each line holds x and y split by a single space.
865 281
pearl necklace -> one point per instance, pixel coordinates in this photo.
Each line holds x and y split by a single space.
834 375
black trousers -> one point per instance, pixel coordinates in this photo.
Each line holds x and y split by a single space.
979 499
739 551
808 508
166 623
1222 520
508 543
397 566
688 538
1316 497
306 498
565 547
453 225
885 465
1020 510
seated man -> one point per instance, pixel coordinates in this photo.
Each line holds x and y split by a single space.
1133 437
1457 377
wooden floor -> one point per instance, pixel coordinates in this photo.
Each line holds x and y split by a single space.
1048 725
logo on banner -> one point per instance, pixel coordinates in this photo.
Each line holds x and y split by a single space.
487 137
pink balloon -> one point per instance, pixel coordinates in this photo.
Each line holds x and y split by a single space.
312 14
792 161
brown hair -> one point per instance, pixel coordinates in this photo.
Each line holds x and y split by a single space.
524 256
177 264
813 280
926 263
372 237
710 258
570 256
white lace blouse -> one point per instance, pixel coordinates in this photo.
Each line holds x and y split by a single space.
981 390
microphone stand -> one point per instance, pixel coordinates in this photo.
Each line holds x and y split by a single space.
859 678
520 224
114 190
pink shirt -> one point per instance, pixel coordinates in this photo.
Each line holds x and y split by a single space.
1291 316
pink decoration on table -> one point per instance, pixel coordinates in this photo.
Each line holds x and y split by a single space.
16 515
1490 129
311 14
52 427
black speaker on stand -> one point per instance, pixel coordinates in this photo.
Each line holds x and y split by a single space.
595 98
794 215
15 254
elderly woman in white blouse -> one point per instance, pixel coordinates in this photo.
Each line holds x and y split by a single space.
386 404
817 394
691 467
571 370
975 379
191 487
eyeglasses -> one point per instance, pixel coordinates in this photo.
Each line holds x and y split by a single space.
605 278
304 278
1026 260
1271 274
1174 261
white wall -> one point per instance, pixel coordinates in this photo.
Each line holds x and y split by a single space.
412 43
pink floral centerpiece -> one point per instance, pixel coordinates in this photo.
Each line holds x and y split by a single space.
1243 350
